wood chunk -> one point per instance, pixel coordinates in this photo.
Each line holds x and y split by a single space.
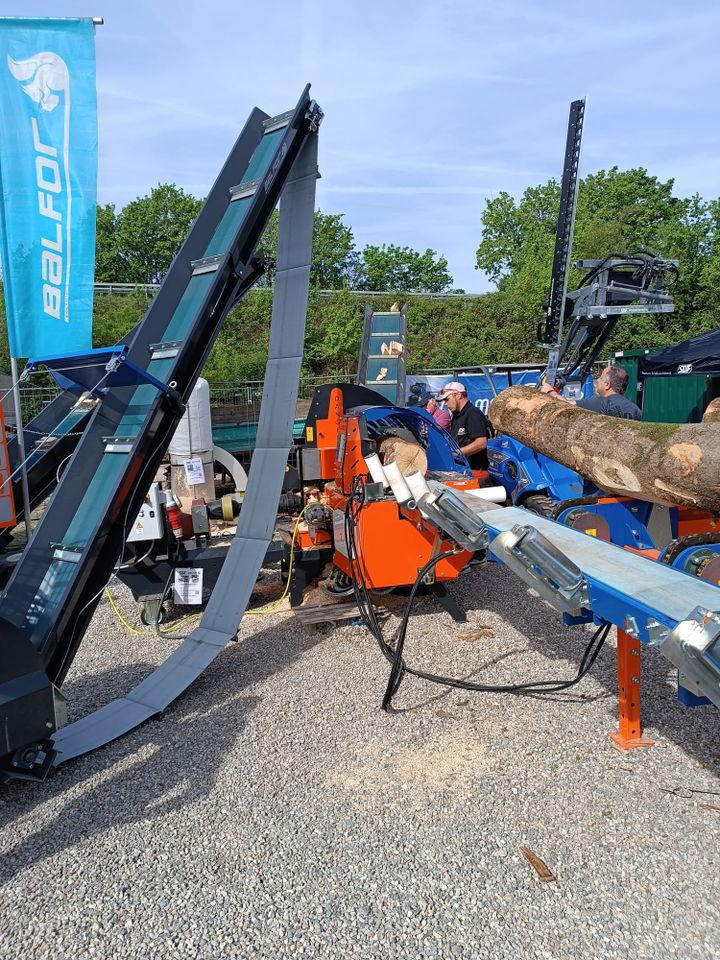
712 412
408 456
470 636
538 865
327 613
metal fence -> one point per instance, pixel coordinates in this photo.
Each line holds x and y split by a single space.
150 289
123 289
238 393
34 399
231 400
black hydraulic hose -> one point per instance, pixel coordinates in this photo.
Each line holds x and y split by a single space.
365 606
527 687
599 268
399 667
533 686
167 636
395 655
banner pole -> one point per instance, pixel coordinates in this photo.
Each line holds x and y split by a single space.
21 447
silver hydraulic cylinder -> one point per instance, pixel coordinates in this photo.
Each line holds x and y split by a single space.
447 512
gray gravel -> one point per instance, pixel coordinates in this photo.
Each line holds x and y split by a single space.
275 811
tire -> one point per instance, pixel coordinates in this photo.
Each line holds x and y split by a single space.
339 584
540 504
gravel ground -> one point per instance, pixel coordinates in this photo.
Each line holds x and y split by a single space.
276 811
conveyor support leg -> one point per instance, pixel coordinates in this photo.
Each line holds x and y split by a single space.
629 735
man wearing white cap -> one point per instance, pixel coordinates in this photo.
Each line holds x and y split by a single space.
468 427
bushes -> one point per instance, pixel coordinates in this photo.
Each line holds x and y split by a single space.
442 332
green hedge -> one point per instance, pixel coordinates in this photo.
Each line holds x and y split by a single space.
442 332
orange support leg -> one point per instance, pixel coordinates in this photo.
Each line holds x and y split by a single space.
629 735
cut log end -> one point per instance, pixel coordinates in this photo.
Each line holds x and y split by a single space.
408 456
712 412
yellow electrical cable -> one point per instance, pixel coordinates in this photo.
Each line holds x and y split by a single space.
143 633
276 603
194 616
121 618
181 621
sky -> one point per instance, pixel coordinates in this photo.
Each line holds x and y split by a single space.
431 108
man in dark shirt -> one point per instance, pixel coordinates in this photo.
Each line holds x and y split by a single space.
610 399
468 427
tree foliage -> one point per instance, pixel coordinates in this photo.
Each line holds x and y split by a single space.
109 266
334 257
442 333
138 244
617 212
403 269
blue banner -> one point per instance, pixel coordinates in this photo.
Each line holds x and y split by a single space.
48 183
479 390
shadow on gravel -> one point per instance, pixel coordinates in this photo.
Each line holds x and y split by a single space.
158 768
694 730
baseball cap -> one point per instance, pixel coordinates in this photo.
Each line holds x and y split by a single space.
453 387
420 398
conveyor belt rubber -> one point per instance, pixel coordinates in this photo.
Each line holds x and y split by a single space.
255 526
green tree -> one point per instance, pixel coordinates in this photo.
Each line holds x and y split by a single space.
617 212
109 266
334 257
404 270
114 316
151 229
707 299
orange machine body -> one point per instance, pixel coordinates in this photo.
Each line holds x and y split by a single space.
393 543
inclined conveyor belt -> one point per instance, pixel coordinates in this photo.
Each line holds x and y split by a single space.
633 592
59 580
653 588
50 438
256 523
62 419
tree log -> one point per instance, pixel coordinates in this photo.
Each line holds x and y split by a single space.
408 456
712 412
666 463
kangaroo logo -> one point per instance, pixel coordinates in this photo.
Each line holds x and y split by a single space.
46 72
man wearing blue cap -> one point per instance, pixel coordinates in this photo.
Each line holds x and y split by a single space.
421 397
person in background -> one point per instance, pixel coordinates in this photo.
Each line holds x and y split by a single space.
469 425
442 417
420 396
610 399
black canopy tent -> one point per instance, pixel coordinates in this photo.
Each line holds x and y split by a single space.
698 355
691 372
